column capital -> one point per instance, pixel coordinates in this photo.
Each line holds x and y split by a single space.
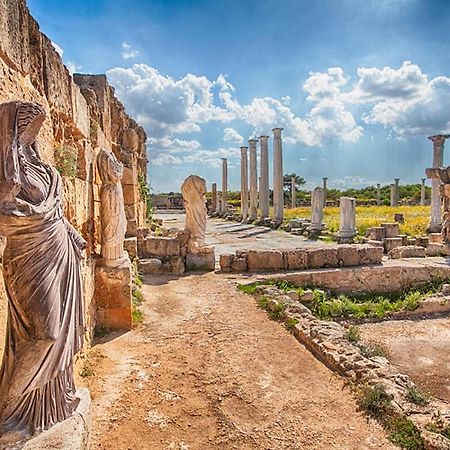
396 180
324 178
263 137
224 159
243 148
252 143
438 139
277 132
423 180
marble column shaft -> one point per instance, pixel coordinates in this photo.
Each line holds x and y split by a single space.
224 207
317 209
264 176
392 194
278 193
214 197
378 194
293 192
253 180
324 187
347 214
422 192
244 183
396 191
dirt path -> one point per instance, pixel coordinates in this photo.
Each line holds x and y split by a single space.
209 370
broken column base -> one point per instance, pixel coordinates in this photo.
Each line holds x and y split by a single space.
434 228
113 295
70 434
345 239
204 260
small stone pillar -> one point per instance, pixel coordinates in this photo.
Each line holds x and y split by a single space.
213 198
198 256
422 192
317 203
253 180
325 191
224 207
347 224
378 194
278 193
264 174
396 191
244 184
436 207
293 192
392 186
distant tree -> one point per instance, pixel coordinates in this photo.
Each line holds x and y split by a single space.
299 181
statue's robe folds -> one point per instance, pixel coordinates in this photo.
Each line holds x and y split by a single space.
42 272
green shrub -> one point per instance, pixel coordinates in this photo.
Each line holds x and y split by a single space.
353 334
372 349
414 395
376 401
405 434
66 158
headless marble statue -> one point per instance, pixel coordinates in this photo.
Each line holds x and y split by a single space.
42 273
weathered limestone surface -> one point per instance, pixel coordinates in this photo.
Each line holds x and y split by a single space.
159 246
410 251
83 114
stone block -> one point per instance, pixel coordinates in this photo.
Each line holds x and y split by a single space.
239 264
203 261
435 238
113 286
322 257
392 242
296 259
265 260
130 245
225 262
370 254
376 233
404 239
348 255
158 246
392 229
422 241
434 249
129 176
177 265
130 194
70 434
411 241
150 265
375 243
410 251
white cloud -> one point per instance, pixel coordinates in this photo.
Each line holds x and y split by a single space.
72 67
58 49
128 52
231 135
174 145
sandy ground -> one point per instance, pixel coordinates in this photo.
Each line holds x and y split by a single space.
209 370
419 349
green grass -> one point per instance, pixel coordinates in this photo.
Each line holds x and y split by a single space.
417 397
87 370
405 434
248 288
353 334
372 349
101 331
136 314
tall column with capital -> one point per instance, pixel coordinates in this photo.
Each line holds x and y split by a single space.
293 192
324 187
253 180
244 183
278 194
224 207
264 176
378 194
396 191
438 157
213 198
422 192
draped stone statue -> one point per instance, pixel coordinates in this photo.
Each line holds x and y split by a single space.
199 257
42 273
112 209
193 191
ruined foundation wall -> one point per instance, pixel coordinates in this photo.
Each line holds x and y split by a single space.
83 116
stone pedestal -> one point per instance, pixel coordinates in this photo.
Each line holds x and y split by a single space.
264 177
244 183
203 260
378 194
422 192
224 205
436 207
278 194
317 203
253 180
347 224
113 294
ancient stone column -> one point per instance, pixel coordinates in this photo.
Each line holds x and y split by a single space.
378 194
244 183
214 197
253 180
347 224
324 187
422 192
392 186
293 192
436 210
264 176
224 207
278 194
317 203
396 191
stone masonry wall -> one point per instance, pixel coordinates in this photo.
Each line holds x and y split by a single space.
83 114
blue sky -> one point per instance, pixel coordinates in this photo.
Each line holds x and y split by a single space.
356 84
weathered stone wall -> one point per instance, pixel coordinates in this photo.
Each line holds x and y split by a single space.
82 114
